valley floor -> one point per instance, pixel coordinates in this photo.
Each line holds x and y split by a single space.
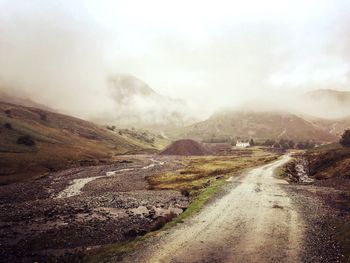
67 213
257 218
254 217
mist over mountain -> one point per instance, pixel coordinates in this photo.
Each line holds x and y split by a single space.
70 57
227 119
136 104
327 103
12 97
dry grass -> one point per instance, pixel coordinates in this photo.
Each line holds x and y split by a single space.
192 179
199 172
61 141
328 162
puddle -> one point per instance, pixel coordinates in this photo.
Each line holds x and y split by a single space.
156 211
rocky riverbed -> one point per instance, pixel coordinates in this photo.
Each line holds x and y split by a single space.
63 215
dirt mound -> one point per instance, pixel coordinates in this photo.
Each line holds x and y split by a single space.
186 147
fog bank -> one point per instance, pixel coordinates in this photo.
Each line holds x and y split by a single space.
205 55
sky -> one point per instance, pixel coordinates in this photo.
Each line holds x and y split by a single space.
211 54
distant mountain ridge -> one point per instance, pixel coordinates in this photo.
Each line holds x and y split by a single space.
339 96
138 105
123 87
231 125
11 97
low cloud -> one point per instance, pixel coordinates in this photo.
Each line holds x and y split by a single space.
208 55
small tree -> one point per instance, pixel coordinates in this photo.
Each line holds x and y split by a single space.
284 145
345 139
251 142
291 144
269 142
276 145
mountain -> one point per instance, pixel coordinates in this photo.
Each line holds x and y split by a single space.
230 125
341 97
333 126
124 87
35 141
136 104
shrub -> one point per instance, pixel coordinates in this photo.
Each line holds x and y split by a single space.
8 126
26 140
305 145
43 116
251 142
112 128
345 139
185 192
8 113
276 145
291 144
269 142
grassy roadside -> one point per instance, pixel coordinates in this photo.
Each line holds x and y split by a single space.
327 164
200 172
116 251
200 178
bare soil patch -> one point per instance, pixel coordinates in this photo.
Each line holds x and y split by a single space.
186 148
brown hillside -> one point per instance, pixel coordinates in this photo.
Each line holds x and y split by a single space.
333 126
55 141
228 126
186 147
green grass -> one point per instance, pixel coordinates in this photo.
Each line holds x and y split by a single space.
198 171
197 204
281 172
116 251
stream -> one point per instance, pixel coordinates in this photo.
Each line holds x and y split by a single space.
75 186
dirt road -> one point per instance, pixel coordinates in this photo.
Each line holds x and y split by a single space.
255 221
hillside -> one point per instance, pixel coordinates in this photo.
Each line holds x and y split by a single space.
328 162
333 126
226 126
327 170
34 141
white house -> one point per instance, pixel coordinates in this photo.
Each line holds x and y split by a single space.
242 144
